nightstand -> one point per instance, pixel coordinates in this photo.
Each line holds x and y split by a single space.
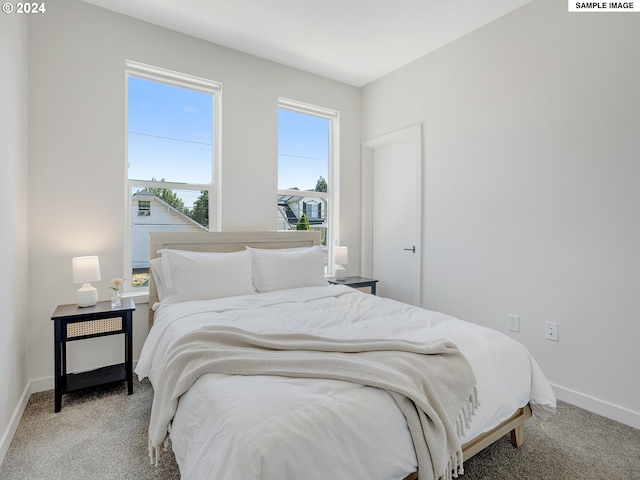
72 323
361 283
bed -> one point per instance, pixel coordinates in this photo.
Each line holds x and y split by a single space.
266 426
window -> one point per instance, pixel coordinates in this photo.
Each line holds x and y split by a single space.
172 150
313 210
144 208
308 159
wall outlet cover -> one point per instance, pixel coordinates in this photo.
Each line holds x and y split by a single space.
514 323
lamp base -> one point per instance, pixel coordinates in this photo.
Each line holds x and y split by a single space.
87 295
340 272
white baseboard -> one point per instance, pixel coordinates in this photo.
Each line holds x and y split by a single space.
8 434
41 385
606 409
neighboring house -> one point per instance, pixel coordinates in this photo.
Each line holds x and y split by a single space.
150 213
291 208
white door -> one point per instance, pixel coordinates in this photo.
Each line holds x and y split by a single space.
392 213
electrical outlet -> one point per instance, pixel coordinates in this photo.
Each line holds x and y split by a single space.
514 323
551 331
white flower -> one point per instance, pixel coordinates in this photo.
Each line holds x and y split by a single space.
116 283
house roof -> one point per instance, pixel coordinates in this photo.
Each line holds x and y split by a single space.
146 194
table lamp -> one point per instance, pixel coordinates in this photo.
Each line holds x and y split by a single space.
340 258
85 271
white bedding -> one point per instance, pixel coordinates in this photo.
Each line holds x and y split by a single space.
235 427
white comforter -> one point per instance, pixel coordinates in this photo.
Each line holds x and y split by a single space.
276 428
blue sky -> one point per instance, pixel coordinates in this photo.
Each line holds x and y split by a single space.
303 150
166 123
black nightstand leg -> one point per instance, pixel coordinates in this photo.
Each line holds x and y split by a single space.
58 367
128 352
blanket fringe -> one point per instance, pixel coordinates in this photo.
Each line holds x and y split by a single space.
154 452
153 455
462 423
468 410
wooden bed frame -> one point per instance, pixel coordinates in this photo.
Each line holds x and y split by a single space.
233 242
513 425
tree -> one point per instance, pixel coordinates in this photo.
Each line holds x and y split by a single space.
200 212
303 223
321 185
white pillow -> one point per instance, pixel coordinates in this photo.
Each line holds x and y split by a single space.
278 269
158 276
205 275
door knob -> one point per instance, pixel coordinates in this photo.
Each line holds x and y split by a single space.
412 249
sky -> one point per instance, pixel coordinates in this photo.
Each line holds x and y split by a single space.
170 136
165 123
303 150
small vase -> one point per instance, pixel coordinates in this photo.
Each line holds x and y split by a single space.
116 299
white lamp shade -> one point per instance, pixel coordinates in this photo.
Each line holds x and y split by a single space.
86 269
341 255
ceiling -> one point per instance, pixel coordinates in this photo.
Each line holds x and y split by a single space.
352 41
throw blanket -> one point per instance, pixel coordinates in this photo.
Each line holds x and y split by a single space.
433 385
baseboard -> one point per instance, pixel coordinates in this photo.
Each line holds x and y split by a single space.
47 383
41 384
8 434
606 409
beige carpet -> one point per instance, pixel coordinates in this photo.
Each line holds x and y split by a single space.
102 434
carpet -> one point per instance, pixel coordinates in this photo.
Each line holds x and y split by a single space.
101 433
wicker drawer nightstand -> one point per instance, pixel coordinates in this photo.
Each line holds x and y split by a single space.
77 323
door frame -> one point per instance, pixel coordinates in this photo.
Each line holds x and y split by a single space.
368 148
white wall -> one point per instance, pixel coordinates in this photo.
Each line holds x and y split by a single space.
531 194
13 218
76 141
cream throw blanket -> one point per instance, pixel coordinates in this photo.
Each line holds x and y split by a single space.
433 385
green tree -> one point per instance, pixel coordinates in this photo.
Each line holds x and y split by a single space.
303 223
321 185
200 212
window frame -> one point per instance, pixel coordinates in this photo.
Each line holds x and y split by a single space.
144 210
333 182
183 80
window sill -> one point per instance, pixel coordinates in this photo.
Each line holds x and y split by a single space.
138 297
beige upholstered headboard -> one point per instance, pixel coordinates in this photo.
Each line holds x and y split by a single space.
222 242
